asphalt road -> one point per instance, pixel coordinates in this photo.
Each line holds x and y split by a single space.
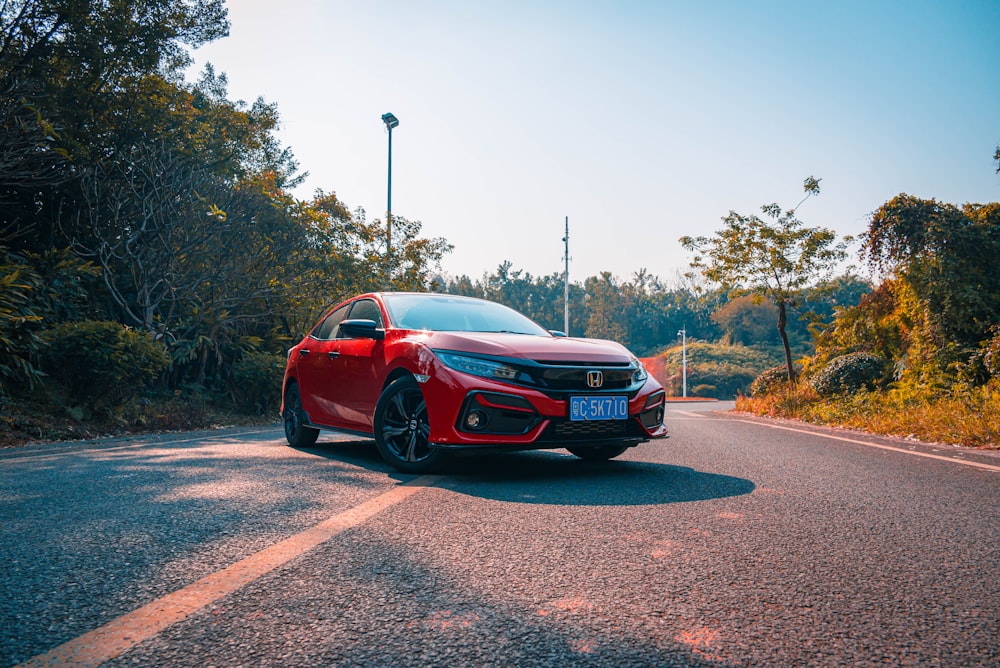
737 542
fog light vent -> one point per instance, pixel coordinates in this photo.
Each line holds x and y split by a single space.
476 420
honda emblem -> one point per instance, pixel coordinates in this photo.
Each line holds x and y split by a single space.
595 379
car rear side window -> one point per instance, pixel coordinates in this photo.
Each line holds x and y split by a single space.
328 328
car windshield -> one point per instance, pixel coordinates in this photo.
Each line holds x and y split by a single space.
447 313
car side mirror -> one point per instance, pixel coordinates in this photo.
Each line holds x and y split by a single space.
556 332
362 329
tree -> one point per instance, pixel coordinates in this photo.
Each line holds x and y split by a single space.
606 306
940 260
747 320
773 259
147 231
948 256
71 80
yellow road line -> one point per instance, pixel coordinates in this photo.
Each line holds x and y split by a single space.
119 635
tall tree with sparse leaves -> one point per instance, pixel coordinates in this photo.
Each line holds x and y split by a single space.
773 258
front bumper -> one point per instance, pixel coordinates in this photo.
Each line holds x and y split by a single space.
467 412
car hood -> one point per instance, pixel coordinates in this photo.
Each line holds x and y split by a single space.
525 346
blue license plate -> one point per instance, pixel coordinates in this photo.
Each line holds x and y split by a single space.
583 409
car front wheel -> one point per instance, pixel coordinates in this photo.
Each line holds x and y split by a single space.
402 428
597 452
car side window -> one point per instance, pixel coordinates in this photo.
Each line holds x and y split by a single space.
327 329
366 309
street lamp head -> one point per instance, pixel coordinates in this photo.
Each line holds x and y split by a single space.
390 121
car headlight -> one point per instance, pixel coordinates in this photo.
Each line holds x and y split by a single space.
476 366
639 375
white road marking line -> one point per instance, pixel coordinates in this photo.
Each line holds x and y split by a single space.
119 635
688 413
988 467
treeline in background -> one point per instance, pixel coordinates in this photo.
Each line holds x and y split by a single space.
154 265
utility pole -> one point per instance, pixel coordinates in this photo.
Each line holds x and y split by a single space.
566 277
684 360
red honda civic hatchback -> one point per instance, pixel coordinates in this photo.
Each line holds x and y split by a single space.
431 374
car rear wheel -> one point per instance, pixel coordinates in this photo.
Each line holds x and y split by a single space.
296 432
402 428
597 452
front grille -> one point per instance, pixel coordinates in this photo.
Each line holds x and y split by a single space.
563 430
574 379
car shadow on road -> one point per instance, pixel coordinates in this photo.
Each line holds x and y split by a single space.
546 477
358 451
552 478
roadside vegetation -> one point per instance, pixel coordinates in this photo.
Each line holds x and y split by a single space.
155 267
153 264
919 356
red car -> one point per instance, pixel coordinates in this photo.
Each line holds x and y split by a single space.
431 374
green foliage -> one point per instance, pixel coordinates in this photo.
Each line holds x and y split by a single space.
36 288
875 325
991 353
100 365
747 320
773 259
947 255
256 382
18 328
849 373
932 316
920 355
769 381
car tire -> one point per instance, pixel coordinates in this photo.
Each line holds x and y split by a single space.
595 453
297 433
402 428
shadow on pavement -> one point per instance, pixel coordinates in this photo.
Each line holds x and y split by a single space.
553 478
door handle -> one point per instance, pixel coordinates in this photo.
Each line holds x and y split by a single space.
333 354
303 351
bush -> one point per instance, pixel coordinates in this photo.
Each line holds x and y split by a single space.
19 324
991 353
704 391
849 373
256 382
101 365
769 380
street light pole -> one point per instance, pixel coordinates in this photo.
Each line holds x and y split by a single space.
566 282
390 122
684 361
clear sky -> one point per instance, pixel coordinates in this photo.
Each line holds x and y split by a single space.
641 121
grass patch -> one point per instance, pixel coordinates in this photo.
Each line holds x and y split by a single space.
966 416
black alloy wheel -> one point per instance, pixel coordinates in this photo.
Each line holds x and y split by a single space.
296 432
402 428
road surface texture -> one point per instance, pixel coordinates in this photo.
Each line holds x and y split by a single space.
737 542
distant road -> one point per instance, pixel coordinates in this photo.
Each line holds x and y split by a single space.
736 542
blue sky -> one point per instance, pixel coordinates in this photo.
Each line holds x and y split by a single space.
641 121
